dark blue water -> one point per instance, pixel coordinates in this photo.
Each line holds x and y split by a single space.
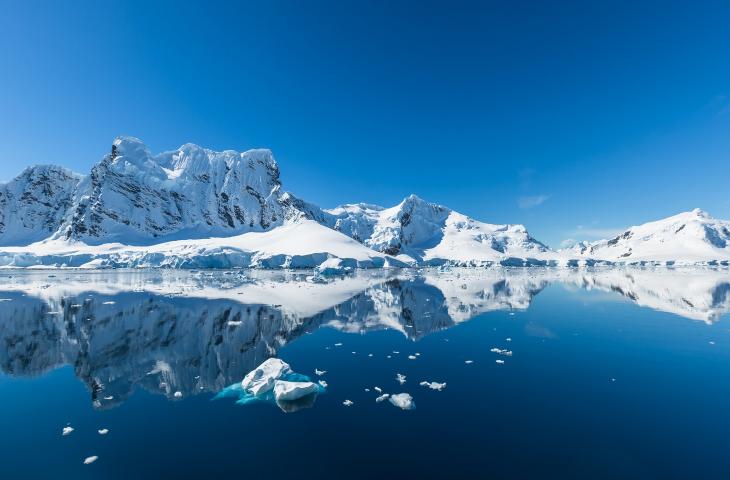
600 384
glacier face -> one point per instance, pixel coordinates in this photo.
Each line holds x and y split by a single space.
197 208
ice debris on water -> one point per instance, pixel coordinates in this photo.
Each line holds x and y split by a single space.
319 373
348 403
322 383
67 431
90 459
500 362
382 397
177 394
500 351
403 401
411 357
468 362
433 385
338 344
378 389
103 431
400 378
508 339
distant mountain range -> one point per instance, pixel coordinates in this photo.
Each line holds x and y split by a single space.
197 208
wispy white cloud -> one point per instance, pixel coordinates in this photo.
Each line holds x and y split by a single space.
529 202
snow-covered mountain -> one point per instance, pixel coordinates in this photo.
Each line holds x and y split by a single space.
33 204
685 239
134 197
431 234
196 208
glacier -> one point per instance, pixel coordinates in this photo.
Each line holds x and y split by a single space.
195 208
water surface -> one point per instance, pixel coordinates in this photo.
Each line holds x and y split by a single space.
612 373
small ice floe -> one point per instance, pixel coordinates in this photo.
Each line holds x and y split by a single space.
67 431
395 352
110 302
378 389
382 397
468 362
234 323
354 353
418 354
712 342
500 351
433 385
370 354
613 379
338 344
6 299
412 357
103 431
322 383
177 394
109 397
348 403
511 313
403 401
400 378
319 373
508 339
90 459
500 362
367 389
389 356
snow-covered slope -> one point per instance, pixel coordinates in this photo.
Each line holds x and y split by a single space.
689 238
301 244
434 235
136 198
33 204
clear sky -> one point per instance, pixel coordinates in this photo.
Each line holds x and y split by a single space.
575 119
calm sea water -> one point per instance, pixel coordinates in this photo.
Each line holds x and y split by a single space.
612 373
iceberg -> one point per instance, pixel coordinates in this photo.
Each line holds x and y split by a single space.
288 391
262 378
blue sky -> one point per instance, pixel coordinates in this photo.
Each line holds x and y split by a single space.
575 119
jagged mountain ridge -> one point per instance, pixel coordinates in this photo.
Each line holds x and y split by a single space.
197 208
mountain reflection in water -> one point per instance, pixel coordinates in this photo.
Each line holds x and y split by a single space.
181 333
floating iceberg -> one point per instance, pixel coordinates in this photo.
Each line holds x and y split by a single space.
433 385
90 459
274 381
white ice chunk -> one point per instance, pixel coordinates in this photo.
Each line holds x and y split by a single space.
468 362
90 459
402 400
348 403
177 394
411 357
500 362
378 389
284 390
323 383
400 378
433 385
382 397
261 379
67 431
319 373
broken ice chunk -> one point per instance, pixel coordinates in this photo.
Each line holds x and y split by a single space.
403 401
501 362
103 431
67 431
378 389
288 391
261 379
348 403
411 357
382 397
400 378
323 383
177 394
433 385
468 362
90 459
319 373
